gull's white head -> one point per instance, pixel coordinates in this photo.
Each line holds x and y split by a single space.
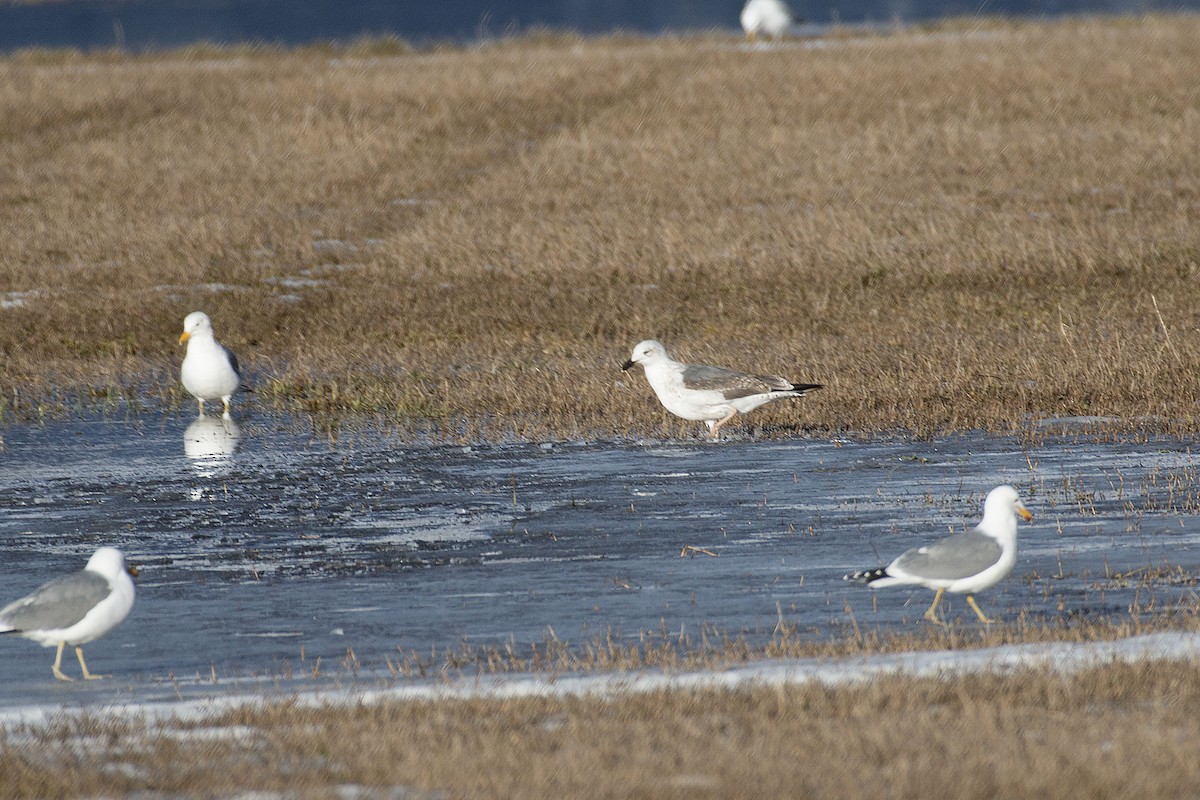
1003 502
647 352
196 323
109 562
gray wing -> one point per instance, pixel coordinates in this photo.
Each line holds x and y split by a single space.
959 556
58 604
233 362
731 383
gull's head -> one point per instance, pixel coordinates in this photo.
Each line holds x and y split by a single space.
195 323
109 562
646 352
1003 501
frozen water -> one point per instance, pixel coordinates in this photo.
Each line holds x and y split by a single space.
289 548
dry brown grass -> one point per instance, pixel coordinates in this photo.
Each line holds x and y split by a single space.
661 650
951 230
713 649
1118 731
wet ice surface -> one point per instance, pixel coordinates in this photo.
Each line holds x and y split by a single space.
293 548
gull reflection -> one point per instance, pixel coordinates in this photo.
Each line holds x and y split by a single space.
210 441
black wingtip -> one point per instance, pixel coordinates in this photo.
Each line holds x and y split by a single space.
807 387
866 575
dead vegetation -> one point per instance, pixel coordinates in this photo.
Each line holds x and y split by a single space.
969 227
950 229
712 649
1116 731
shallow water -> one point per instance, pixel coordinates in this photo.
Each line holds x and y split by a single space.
157 24
290 548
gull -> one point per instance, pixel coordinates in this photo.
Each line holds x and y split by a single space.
965 562
210 370
712 395
76 608
772 17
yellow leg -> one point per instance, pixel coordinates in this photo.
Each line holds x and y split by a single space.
87 676
716 426
200 403
225 400
930 615
58 673
975 607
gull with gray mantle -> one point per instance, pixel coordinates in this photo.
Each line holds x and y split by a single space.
74 609
210 370
712 395
967 562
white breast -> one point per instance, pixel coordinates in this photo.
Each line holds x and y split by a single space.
206 372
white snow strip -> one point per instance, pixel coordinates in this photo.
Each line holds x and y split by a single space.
1063 657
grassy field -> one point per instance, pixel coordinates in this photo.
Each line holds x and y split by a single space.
970 226
962 227
1116 732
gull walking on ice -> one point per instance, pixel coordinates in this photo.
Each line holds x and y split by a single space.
210 370
74 609
967 562
712 395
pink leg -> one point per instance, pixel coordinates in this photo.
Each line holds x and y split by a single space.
716 426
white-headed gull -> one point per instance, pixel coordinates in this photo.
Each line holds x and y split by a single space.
967 562
210 370
712 395
76 608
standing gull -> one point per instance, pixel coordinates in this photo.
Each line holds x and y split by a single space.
76 608
712 395
210 370
772 17
965 562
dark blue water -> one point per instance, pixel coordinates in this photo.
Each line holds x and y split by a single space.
155 24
